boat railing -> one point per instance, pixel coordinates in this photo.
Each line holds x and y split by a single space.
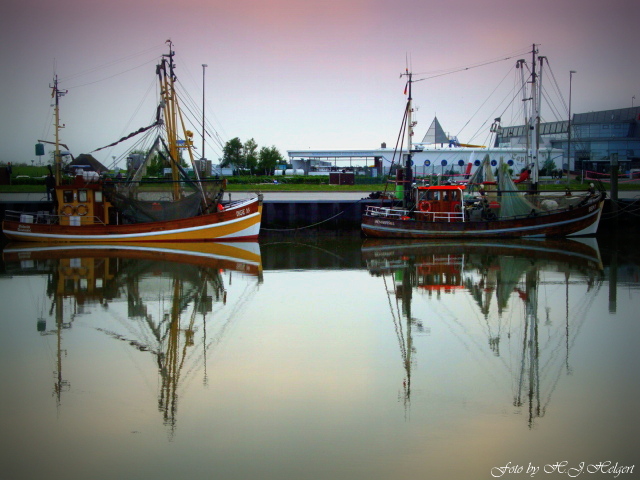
47 218
387 212
445 216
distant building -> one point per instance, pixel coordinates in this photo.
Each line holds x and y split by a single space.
596 137
437 153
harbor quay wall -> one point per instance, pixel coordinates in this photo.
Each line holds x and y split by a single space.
313 216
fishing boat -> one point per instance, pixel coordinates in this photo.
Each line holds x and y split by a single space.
95 209
496 208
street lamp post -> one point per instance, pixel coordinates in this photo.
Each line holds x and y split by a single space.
569 129
204 65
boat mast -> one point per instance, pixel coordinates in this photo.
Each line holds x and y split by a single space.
520 66
408 164
204 66
167 91
534 121
57 160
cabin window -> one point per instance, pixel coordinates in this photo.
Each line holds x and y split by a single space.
97 196
82 196
67 196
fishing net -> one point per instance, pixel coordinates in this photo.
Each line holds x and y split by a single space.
483 173
512 202
153 202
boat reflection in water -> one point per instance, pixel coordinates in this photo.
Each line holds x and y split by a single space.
172 293
491 275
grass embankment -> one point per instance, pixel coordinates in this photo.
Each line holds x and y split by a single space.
30 179
283 187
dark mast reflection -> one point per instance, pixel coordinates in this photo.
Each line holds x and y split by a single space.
492 273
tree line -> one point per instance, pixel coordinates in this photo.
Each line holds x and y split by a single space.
245 157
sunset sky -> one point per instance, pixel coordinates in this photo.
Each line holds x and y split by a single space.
302 74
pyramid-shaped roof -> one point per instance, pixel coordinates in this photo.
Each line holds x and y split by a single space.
87 159
435 134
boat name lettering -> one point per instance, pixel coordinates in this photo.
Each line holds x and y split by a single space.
384 222
242 212
24 228
592 208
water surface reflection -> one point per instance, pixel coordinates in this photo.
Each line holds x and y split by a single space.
489 275
168 295
316 358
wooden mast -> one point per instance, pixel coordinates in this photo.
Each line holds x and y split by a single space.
57 161
173 118
170 116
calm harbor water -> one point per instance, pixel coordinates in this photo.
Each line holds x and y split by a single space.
332 358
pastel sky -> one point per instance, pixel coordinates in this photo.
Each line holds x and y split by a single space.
300 74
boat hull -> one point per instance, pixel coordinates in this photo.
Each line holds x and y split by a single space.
242 222
243 256
581 220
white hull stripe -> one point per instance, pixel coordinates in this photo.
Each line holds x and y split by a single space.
484 232
129 247
118 236
250 231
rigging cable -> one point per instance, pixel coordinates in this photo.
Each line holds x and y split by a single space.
482 127
126 127
111 63
441 73
112 76
192 106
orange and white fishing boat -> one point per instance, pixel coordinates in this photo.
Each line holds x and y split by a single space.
93 209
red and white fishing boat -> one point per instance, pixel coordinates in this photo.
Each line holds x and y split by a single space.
499 209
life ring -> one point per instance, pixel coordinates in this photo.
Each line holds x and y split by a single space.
68 210
82 210
424 206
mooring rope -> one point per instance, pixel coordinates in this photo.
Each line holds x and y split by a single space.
629 209
302 228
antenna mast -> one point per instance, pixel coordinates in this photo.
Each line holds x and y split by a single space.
408 164
57 160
